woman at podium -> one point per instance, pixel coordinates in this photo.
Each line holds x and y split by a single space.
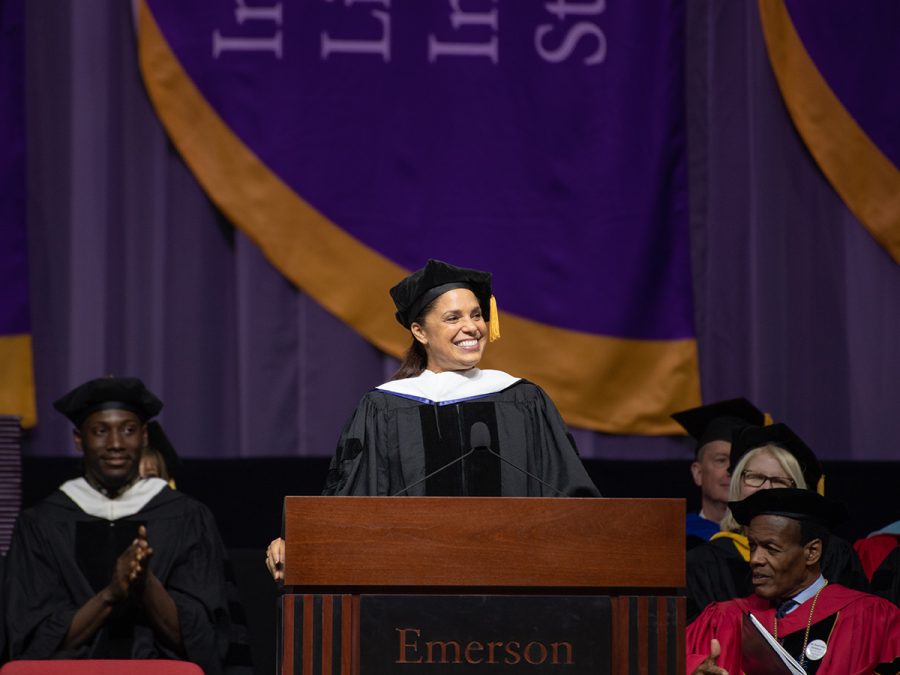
444 427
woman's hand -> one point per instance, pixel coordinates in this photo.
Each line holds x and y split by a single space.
275 559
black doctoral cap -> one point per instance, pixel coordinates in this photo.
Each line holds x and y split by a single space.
424 285
782 436
109 393
790 503
158 440
717 421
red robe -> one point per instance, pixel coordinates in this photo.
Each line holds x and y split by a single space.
873 550
864 632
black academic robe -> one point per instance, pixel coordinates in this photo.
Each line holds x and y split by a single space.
859 631
715 571
393 442
46 583
886 579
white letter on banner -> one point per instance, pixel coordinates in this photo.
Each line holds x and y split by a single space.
564 51
458 18
381 46
561 8
242 13
222 43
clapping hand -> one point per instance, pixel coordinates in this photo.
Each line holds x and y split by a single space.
131 567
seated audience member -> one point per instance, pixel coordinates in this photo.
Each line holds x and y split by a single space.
763 458
827 628
114 566
713 426
158 458
880 557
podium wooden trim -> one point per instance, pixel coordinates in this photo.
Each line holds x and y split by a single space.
483 542
341 548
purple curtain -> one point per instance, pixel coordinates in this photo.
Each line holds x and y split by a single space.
797 306
134 272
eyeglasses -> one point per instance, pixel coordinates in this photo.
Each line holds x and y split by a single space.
756 480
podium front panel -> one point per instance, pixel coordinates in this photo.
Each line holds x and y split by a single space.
487 635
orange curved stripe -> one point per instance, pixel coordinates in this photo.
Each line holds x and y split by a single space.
602 383
867 181
16 376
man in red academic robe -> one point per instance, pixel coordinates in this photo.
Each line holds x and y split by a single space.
828 629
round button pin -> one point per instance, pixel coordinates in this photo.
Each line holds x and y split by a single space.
815 650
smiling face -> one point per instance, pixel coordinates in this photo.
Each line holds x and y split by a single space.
780 566
453 332
111 441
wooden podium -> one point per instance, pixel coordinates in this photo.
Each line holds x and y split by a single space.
369 580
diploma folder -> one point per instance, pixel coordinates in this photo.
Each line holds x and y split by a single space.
760 652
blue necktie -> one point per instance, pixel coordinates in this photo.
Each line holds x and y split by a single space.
784 608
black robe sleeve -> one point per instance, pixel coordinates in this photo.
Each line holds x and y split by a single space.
43 590
559 462
715 572
360 464
886 579
841 565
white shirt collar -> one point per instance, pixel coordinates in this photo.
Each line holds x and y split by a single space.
451 386
99 505
807 593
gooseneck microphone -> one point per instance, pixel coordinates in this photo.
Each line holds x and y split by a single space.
480 436
480 439
437 471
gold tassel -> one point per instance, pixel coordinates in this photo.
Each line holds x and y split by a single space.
820 488
494 328
767 420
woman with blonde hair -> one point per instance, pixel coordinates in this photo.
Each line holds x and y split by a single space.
762 458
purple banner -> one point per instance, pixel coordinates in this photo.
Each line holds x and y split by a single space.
13 232
856 48
541 140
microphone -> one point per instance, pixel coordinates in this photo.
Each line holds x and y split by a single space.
437 471
480 438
